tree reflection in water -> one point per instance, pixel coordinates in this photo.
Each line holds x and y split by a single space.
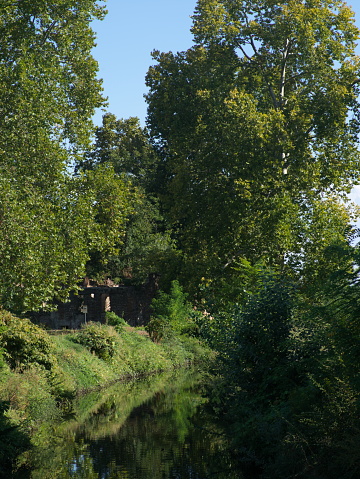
154 429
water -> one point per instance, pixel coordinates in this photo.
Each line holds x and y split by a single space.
153 429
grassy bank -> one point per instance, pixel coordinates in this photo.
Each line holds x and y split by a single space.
135 355
41 374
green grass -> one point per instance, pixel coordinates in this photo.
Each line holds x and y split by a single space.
135 355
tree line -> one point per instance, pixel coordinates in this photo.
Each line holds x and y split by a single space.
249 149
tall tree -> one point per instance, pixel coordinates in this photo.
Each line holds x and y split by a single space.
46 240
49 221
259 120
49 88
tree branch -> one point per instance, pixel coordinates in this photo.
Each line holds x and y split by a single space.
48 31
283 71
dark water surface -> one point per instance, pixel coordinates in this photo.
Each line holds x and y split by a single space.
153 429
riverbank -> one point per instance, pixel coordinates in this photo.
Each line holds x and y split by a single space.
42 374
135 429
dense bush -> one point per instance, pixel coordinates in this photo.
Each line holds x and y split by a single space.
113 319
25 343
284 387
13 441
98 338
171 314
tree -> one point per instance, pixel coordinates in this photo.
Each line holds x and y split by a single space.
42 245
287 386
50 221
112 202
49 89
125 147
46 241
259 120
171 314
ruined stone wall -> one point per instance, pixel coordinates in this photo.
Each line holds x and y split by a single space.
129 302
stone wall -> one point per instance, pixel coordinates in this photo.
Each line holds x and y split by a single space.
129 302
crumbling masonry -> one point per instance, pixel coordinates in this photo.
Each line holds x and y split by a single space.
92 302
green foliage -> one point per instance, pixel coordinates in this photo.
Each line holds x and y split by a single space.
112 197
99 339
2 360
334 303
13 442
223 298
135 355
48 93
271 126
125 147
171 314
46 241
174 305
113 319
288 381
49 88
82 370
260 342
52 222
159 328
147 247
25 344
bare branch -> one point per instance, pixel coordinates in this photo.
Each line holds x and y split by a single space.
283 71
248 57
48 31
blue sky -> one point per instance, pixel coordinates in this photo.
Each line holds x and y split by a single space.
125 39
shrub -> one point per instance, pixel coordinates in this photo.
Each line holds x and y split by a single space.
2 359
159 328
25 343
98 338
113 319
13 441
171 314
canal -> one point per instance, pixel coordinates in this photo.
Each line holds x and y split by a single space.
157 428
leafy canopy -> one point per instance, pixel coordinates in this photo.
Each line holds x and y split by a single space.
258 122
